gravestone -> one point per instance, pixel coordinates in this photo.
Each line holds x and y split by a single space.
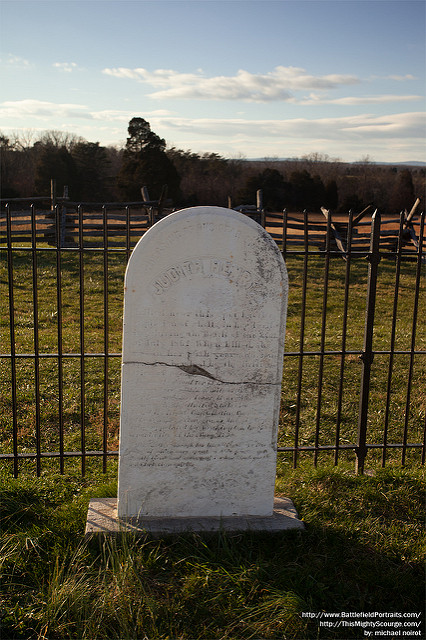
203 341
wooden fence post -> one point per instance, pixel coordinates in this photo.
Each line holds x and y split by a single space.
162 201
52 194
259 207
145 198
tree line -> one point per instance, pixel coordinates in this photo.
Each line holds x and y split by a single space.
94 173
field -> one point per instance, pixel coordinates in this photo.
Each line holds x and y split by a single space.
363 547
84 409
362 551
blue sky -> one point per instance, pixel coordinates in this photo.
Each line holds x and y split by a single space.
264 78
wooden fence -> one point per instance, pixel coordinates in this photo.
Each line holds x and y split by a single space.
122 224
75 242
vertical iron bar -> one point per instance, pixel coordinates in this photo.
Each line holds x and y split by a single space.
323 328
106 341
12 340
82 344
259 208
60 243
284 249
62 225
36 339
344 334
367 351
302 339
413 337
392 340
128 231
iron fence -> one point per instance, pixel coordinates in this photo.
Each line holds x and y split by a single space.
354 367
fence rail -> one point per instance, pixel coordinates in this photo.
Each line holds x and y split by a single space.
132 220
355 333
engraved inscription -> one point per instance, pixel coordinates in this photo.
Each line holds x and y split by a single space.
211 341
202 365
203 266
202 422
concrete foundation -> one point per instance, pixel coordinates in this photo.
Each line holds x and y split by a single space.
102 518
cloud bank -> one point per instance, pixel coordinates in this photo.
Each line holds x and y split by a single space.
398 125
278 84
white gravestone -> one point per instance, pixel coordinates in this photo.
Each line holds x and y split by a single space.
203 342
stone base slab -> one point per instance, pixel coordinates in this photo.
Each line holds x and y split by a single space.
102 518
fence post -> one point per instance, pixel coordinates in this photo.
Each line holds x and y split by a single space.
151 214
367 354
259 207
161 202
52 194
62 226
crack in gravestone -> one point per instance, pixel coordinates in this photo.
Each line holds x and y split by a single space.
195 370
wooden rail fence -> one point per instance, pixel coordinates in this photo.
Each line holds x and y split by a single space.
122 224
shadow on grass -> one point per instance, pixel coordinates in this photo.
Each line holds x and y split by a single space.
360 553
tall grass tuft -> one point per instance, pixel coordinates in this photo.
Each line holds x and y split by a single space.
362 550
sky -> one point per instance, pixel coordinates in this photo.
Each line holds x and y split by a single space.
241 78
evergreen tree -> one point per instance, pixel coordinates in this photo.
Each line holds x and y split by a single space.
145 163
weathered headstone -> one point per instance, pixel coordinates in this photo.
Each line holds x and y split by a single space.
204 324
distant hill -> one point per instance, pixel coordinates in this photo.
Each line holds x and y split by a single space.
413 163
407 163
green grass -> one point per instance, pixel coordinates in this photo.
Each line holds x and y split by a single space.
363 545
312 413
362 551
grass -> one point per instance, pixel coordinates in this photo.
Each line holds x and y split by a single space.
363 545
362 551
316 419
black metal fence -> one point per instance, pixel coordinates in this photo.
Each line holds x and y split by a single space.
354 370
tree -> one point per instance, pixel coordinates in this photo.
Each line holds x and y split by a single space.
307 192
145 163
352 202
275 190
6 168
205 179
141 138
60 139
56 163
91 165
403 192
331 196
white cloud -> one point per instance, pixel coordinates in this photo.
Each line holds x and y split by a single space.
281 84
402 125
408 76
15 61
41 109
349 137
67 67
359 100
274 85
